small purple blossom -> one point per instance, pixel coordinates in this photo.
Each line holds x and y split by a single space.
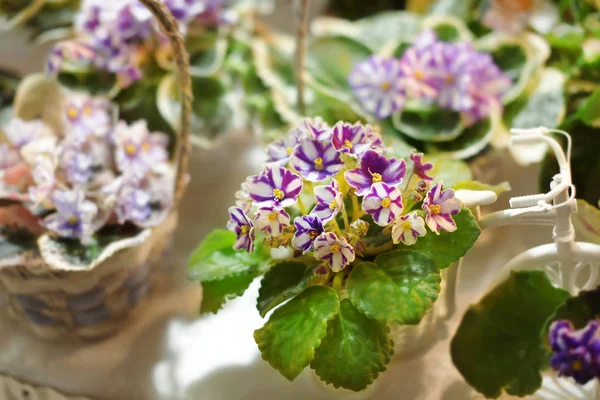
87 116
418 68
21 133
77 165
576 352
335 250
74 51
74 214
185 11
383 203
275 186
408 228
420 168
281 150
378 85
271 220
329 201
133 203
308 228
350 139
315 128
440 205
138 151
242 197
316 160
242 226
375 168
374 137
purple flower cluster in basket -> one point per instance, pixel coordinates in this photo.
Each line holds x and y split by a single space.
337 181
90 173
452 75
576 352
114 34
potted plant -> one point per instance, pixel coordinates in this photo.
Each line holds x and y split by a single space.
88 205
352 244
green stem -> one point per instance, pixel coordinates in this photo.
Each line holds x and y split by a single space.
338 281
407 187
336 227
301 205
356 211
372 251
346 221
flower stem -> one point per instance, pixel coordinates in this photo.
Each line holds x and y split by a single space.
303 14
407 187
336 228
346 221
372 251
301 205
356 211
338 281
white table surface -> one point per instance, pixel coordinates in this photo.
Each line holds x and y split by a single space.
167 353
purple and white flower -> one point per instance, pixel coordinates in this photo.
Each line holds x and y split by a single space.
75 51
271 220
308 228
453 79
275 186
419 70
384 203
374 137
576 352
408 228
420 168
329 201
378 85
350 139
316 160
138 151
440 205
242 226
133 203
242 197
375 168
185 11
74 214
335 250
77 165
313 128
45 180
21 133
281 150
87 116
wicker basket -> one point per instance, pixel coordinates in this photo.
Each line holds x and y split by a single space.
57 301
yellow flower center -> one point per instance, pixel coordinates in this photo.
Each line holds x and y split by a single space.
348 144
273 216
313 234
385 203
449 78
376 177
73 219
288 151
406 226
435 209
319 164
145 146
333 205
335 248
244 229
419 75
87 110
385 86
279 195
130 149
577 365
72 112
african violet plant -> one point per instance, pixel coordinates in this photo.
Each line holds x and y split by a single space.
348 239
119 51
428 80
502 348
77 180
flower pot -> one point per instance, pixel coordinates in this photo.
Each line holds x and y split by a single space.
55 300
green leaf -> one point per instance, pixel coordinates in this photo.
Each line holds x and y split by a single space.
511 59
281 282
579 310
457 8
216 293
587 222
399 286
449 247
430 125
354 351
498 344
473 139
331 59
289 339
380 30
216 259
474 185
589 111
449 170
14 245
332 106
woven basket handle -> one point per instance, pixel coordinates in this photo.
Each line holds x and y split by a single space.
170 28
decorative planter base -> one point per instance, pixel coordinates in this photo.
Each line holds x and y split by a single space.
555 388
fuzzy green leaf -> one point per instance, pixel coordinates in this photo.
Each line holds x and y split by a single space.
354 351
399 286
429 124
498 344
289 339
580 309
281 282
449 170
474 185
589 111
216 293
449 247
216 259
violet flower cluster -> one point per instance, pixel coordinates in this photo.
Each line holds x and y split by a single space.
114 35
576 353
89 174
322 188
452 75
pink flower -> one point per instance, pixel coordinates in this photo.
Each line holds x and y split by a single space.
440 206
419 168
